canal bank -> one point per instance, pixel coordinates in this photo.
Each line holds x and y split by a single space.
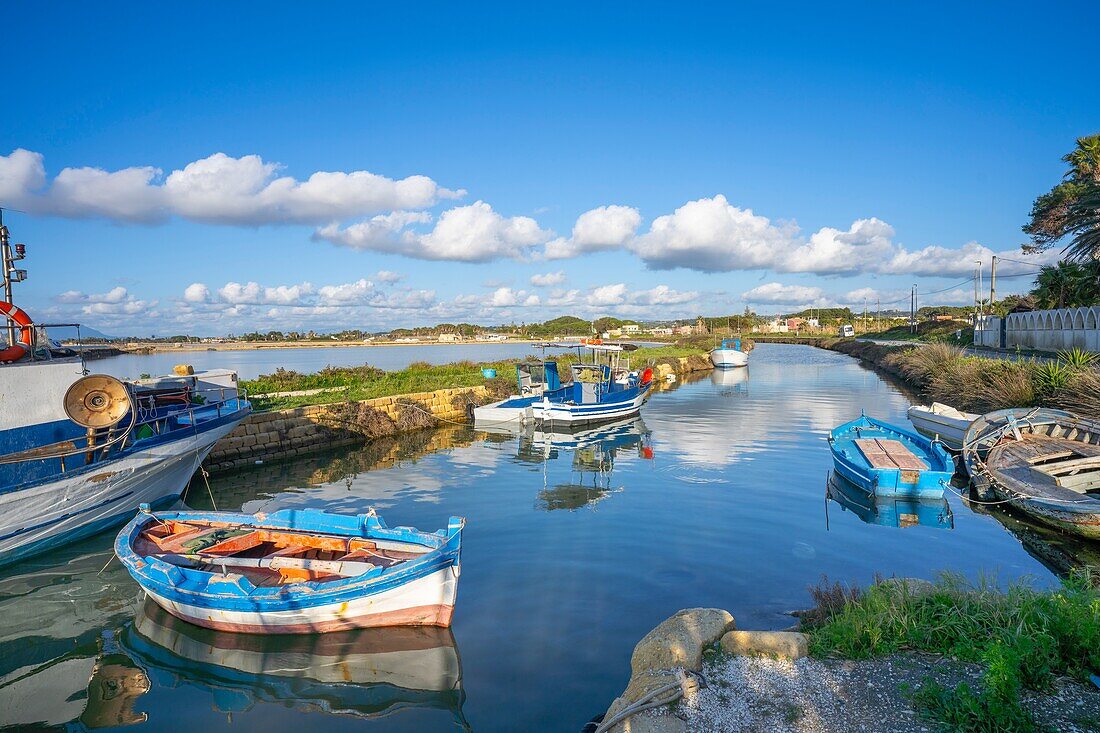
298 431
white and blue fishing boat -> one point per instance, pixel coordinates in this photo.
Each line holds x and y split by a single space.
80 452
884 460
292 571
600 392
728 355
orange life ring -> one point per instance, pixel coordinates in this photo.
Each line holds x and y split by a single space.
647 375
23 346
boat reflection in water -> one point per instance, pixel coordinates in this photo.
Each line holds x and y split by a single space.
888 511
60 666
731 381
366 673
591 453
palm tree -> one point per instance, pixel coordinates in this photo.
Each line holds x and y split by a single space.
1072 208
1067 285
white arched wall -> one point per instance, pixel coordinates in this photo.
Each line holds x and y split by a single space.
1049 330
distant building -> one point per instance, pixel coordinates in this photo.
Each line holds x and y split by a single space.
793 324
778 326
685 330
660 331
449 338
631 328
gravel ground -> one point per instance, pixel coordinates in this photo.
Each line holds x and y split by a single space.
763 695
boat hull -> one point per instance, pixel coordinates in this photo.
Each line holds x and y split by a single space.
427 601
515 409
996 476
950 430
879 481
728 358
88 501
420 591
559 414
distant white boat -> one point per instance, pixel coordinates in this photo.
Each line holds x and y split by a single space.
729 355
942 420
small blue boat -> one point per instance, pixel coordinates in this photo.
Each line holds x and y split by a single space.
885 460
292 571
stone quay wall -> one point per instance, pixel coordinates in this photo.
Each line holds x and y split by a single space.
302 430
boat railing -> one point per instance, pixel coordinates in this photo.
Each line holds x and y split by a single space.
98 445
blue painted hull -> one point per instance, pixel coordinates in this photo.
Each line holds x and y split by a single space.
380 596
850 463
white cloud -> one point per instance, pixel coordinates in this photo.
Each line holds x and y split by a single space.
357 292
473 233
548 279
388 276
608 295
603 228
867 243
664 295
779 294
712 235
196 293
217 189
253 293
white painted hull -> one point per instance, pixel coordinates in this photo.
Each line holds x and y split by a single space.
950 428
494 413
425 601
728 358
551 414
57 512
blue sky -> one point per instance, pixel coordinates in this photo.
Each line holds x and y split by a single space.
642 161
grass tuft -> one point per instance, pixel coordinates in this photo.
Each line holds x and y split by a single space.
1022 638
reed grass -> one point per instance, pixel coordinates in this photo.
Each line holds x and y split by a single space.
1022 638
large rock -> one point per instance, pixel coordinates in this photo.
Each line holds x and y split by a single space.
789 644
679 640
663 721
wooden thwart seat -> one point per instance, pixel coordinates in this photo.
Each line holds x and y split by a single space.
886 453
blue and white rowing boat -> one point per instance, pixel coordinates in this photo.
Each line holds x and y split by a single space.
885 460
292 571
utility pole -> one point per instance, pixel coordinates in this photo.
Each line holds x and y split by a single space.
913 311
993 283
878 311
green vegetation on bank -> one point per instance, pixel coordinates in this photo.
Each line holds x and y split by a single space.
1022 638
978 384
927 332
344 384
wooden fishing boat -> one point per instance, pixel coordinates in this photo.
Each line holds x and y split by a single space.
942 421
885 460
1044 463
292 571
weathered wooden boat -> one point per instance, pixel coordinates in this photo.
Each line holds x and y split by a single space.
942 421
729 355
365 673
885 460
890 511
1044 463
292 571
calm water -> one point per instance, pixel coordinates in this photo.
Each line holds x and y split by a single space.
252 363
574 549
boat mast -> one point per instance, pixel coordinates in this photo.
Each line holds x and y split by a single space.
8 258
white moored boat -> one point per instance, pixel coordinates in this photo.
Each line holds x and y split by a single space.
729 355
942 420
79 452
